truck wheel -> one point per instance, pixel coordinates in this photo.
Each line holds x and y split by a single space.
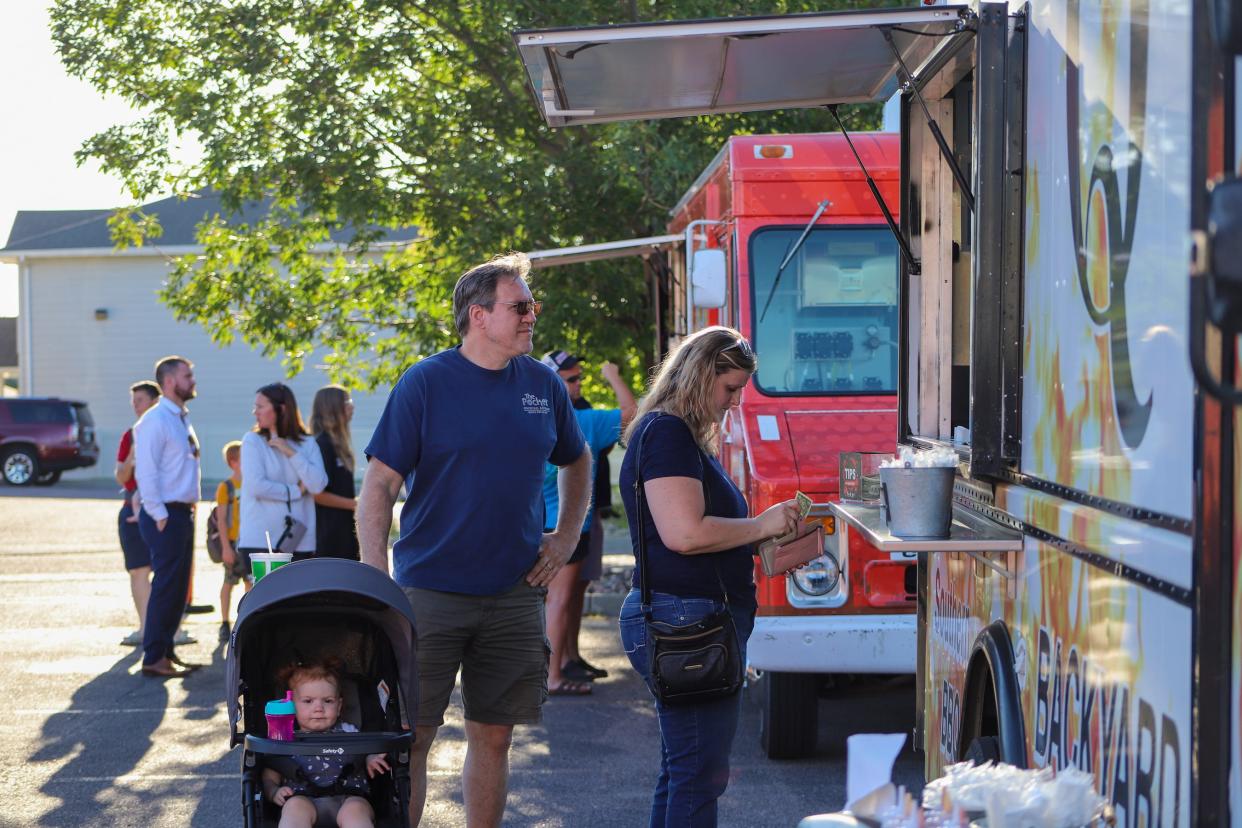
19 466
983 749
788 714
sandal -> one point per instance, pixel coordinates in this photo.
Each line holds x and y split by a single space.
581 669
567 687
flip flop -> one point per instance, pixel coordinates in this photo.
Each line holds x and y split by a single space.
571 688
583 670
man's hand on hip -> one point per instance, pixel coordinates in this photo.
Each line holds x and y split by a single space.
554 551
160 524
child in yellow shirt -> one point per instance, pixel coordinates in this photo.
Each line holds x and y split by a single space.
236 565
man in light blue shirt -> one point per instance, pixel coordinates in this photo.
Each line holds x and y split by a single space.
166 467
567 674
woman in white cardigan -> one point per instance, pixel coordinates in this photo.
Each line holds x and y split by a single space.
282 471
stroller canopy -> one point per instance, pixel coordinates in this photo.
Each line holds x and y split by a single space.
321 588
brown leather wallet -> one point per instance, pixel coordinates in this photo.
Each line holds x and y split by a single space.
804 545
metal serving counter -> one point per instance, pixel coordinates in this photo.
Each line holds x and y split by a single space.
979 537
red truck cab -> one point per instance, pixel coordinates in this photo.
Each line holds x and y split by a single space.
825 333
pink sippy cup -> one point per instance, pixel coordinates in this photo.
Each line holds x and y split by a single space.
280 718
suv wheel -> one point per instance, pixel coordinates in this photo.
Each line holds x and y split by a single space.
47 478
19 466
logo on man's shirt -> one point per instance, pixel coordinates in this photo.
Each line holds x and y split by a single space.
535 405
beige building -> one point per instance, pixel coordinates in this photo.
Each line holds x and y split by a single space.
90 324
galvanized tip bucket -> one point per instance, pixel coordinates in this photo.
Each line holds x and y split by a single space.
918 501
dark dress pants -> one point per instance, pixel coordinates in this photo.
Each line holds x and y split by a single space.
171 558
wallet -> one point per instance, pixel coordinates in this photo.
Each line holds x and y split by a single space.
803 545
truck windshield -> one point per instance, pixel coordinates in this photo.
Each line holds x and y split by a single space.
832 325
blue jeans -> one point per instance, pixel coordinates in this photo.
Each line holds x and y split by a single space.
695 740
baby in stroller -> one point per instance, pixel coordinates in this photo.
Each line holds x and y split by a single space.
324 789
354 626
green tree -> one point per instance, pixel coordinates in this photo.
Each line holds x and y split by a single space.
372 114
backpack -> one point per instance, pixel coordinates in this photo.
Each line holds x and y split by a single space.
215 550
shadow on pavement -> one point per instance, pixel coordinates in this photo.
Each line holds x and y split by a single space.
204 699
107 729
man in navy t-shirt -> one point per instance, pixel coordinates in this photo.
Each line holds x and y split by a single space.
468 431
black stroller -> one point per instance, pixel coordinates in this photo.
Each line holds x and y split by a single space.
305 611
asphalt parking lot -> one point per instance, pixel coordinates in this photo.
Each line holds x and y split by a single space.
93 743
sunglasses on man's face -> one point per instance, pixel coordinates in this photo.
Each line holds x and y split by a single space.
573 379
524 306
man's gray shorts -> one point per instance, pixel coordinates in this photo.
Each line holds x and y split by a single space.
498 642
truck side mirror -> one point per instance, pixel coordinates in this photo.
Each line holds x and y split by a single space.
1224 279
1227 25
708 278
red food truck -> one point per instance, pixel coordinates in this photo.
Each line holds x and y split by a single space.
782 237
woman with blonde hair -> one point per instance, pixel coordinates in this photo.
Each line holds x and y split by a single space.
699 545
336 533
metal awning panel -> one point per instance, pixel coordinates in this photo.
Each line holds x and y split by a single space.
604 250
666 70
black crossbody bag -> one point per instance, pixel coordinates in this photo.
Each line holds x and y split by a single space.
689 663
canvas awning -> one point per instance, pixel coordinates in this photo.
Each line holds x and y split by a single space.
667 70
604 250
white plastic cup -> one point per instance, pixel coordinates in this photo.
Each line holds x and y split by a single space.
265 563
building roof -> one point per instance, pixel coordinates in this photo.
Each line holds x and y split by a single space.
64 230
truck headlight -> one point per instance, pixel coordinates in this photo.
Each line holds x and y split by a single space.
819 577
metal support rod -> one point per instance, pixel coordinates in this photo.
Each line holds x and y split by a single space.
982 558
915 267
958 175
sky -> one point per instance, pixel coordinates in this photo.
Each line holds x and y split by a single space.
47 117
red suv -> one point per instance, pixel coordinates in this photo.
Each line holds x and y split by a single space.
40 437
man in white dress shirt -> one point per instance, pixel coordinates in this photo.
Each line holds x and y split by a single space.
167 469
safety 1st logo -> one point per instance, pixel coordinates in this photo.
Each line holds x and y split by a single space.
534 405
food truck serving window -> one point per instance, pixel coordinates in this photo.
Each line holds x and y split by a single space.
831 326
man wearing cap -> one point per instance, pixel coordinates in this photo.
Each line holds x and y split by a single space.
468 431
568 674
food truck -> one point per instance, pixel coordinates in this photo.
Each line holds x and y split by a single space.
782 237
1069 300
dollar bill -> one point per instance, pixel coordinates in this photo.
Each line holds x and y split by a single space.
804 505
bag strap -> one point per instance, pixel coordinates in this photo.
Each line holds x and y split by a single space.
640 503
232 495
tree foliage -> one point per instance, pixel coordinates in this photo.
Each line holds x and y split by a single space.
361 115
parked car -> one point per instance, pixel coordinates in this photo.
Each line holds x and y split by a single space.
40 437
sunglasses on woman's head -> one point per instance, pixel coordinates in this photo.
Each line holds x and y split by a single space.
743 346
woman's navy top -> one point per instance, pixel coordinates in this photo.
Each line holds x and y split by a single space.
669 450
